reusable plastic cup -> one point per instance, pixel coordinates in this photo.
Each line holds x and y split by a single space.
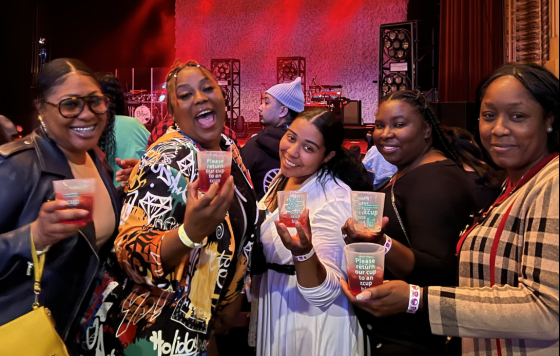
367 210
365 264
213 167
79 193
291 205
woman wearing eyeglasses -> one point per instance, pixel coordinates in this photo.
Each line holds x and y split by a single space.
73 114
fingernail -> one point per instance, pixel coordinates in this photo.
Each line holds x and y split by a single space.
360 297
84 213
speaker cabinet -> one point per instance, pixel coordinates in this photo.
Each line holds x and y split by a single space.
352 112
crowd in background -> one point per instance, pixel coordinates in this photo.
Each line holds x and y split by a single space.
471 223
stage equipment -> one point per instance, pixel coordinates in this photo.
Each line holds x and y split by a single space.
228 74
401 56
528 32
289 68
146 99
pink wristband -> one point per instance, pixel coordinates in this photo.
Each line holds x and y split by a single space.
388 244
414 301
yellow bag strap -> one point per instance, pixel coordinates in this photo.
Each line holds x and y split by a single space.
38 264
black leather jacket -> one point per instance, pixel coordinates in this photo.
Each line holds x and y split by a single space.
28 168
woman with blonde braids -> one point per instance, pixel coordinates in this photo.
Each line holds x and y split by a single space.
185 254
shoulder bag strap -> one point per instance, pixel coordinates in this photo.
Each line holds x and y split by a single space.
38 265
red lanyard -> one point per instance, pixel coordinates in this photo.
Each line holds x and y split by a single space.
508 192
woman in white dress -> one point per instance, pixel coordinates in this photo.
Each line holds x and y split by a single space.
301 310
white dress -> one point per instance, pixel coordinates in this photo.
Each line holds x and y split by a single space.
297 321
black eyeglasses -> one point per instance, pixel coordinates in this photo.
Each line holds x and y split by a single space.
72 107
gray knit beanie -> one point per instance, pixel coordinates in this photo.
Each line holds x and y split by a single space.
289 95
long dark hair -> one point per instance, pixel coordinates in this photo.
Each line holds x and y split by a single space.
344 165
471 155
542 85
54 73
415 99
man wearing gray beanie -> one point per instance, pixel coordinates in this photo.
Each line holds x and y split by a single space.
260 154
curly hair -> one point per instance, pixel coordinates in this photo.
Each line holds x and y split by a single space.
344 165
542 85
415 99
111 87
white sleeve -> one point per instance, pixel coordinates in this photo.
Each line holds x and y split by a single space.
329 245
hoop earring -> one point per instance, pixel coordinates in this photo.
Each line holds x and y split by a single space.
42 123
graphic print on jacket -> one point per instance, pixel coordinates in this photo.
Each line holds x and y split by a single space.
169 313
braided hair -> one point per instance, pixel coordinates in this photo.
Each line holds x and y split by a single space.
415 99
171 81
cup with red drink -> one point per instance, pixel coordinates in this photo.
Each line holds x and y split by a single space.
291 205
367 211
365 264
79 194
213 167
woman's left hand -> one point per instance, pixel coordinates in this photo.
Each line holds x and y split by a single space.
127 166
387 299
300 244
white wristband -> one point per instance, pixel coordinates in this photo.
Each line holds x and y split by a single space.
304 257
414 301
388 244
188 242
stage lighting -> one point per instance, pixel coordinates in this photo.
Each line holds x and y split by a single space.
400 53
385 88
398 80
396 44
392 35
405 45
391 53
389 80
402 87
394 87
388 44
402 36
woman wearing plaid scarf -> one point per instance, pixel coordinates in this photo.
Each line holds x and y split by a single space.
507 299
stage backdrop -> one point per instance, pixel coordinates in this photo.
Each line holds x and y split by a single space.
339 39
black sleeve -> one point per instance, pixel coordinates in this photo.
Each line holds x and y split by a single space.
248 154
15 243
436 212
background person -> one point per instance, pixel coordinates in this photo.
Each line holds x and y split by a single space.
130 135
281 105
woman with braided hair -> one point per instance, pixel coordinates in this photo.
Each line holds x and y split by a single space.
428 202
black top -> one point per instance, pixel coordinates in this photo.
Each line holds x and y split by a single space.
484 194
261 157
434 202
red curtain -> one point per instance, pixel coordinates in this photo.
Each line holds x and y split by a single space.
471 46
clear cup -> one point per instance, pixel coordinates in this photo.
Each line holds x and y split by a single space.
291 204
213 167
79 193
365 264
367 211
